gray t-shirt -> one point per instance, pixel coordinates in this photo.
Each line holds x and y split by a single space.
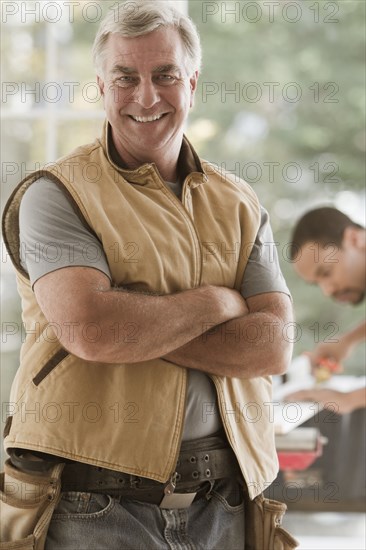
52 236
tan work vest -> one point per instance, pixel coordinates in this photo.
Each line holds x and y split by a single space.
130 417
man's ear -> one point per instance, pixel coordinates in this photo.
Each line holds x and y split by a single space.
100 83
354 237
193 85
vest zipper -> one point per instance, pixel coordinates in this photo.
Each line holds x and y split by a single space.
182 205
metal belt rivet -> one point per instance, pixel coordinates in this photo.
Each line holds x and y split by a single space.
195 474
193 459
208 472
206 458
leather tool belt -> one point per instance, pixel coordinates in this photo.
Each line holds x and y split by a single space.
195 474
200 463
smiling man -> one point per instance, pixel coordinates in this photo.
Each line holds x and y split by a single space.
148 88
146 346
329 250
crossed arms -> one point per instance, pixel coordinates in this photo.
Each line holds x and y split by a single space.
173 327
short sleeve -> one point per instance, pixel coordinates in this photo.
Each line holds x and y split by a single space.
263 272
52 236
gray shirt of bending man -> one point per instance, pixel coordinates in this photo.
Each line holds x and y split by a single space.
52 237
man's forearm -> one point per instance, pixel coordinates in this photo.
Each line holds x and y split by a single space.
355 336
163 323
358 398
256 344
130 327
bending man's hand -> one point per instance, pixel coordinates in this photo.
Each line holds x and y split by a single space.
334 351
341 348
336 401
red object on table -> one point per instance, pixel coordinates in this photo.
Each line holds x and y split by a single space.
300 459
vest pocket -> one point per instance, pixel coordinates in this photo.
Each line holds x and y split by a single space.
49 366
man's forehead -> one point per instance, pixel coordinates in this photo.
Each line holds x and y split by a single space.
119 67
144 53
310 261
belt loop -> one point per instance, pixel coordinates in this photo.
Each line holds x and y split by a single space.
135 482
208 495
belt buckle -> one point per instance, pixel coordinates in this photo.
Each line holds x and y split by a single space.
174 500
177 500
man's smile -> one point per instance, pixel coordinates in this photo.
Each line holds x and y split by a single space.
144 119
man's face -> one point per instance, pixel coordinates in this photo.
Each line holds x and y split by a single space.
339 272
147 92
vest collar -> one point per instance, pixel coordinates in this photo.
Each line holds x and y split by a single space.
189 163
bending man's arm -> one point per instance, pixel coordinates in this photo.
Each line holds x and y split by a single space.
256 344
341 349
336 401
81 297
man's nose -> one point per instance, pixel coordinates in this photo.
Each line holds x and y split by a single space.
327 287
146 94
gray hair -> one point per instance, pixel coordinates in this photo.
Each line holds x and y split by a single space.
139 17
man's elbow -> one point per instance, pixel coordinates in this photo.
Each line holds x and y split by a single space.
100 350
281 343
279 367
275 362
85 350
281 358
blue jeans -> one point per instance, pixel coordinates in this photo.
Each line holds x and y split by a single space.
86 521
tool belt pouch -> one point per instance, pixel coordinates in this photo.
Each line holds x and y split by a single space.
263 531
27 502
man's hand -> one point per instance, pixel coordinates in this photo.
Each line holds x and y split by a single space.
232 302
257 344
336 401
334 351
339 350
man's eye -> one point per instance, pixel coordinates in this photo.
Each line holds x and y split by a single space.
166 78
125 80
